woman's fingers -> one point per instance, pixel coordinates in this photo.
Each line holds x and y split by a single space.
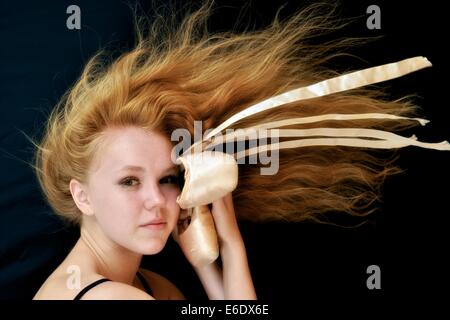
228 199
183 214
219 210
225 219
175 234
223 208
182 224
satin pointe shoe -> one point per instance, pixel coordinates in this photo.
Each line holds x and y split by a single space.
196 235
208 176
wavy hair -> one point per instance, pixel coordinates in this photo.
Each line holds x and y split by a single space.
180 72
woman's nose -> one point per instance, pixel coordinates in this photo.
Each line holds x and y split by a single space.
154 197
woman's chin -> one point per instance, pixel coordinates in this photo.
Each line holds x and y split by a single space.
155 246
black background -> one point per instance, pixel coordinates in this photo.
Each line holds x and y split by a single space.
40 58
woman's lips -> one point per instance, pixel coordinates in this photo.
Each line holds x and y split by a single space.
155 225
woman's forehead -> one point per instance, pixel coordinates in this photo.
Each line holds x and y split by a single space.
128 147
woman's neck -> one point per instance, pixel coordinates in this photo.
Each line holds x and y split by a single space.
109 259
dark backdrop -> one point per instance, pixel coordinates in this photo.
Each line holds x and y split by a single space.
40 58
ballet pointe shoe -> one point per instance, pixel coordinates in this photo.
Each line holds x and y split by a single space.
208 176
197 237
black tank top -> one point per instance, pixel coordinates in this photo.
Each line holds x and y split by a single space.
96 283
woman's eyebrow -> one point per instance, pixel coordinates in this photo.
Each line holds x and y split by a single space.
138 168
131 168
172 168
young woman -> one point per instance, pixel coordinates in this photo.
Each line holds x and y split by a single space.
105 160
127 208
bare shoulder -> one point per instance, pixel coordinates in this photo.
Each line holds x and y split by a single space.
56 288
162 288
110 290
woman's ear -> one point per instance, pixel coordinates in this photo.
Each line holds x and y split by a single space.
80 196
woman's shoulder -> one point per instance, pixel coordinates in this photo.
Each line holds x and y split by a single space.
111 290
62 287
55 289
162 288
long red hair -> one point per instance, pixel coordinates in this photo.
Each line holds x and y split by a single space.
180 73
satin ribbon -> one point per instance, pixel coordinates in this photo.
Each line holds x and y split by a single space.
211 175
341 83
208 177
248 132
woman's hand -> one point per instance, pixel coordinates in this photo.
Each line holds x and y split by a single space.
236 278
225 222
234 281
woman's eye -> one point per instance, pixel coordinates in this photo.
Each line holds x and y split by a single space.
170 180
129 182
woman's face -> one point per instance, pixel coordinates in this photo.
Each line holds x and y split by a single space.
133 188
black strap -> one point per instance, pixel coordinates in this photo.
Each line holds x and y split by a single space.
89 287
144 283
96 283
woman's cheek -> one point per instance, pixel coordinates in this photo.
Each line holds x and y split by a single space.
173 206
171 193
